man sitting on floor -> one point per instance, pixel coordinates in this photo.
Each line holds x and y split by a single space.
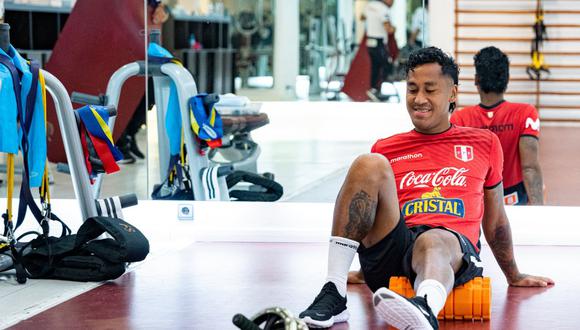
414 207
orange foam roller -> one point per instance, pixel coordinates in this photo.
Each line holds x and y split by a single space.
470 301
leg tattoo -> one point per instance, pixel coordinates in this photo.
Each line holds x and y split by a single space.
361 216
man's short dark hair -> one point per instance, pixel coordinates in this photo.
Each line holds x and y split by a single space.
434 55
492 68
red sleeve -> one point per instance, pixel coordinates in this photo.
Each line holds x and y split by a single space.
530 122
494 176
374 147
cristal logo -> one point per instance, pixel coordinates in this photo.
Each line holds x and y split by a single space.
447 176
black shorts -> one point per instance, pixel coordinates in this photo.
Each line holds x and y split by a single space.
515 195
392 257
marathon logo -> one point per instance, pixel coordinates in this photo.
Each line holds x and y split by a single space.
499 128
406 157
450 206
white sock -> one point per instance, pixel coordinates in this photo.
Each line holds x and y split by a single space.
341 251
436 294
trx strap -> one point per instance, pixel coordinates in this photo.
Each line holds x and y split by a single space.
538 67
177 184
160 55
206 122
100 153
24 119
273 190
29 138
26 198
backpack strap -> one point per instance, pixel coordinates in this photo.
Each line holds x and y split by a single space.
127 245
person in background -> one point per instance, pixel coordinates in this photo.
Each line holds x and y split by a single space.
127 142
516 124
420 22
378 26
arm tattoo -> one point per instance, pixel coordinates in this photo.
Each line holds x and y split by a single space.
501 245
534 186
531 170
361 216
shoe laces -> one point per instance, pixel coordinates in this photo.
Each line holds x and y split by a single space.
328 298
422 301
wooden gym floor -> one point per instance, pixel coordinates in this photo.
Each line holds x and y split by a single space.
205 284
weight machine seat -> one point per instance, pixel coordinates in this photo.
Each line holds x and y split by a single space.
243 123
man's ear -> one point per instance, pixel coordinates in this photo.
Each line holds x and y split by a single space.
476 80
453 96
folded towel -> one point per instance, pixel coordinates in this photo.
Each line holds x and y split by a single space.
233 100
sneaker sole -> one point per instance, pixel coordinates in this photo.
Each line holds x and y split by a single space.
373 97
342 317
398 311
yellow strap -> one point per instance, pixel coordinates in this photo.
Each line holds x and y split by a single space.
103 124
10 189
44 188
194 124
182 152
212 119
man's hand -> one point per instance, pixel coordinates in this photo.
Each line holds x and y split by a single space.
530 281
496 229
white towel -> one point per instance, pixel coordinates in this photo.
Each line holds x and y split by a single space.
233 100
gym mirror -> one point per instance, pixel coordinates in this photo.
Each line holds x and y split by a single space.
307 65
71 40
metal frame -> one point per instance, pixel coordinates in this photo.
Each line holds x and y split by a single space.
72 145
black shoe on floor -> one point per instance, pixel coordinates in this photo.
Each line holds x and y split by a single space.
127 155
404 313
373 95
134 148
329 307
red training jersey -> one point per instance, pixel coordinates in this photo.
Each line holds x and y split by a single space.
509 121
440 177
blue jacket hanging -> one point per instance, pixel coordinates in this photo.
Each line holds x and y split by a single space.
8 111
32 114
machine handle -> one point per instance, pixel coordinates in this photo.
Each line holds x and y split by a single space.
211 99
83 98
128 200
243 323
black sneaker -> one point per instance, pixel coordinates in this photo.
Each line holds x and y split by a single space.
134 148
404 313
127 156
328 308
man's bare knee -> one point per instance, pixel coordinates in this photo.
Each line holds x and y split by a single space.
438 244
373 167
427 243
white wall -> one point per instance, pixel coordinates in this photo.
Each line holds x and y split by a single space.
286 46
441 24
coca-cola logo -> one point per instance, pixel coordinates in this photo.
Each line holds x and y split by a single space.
447 176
